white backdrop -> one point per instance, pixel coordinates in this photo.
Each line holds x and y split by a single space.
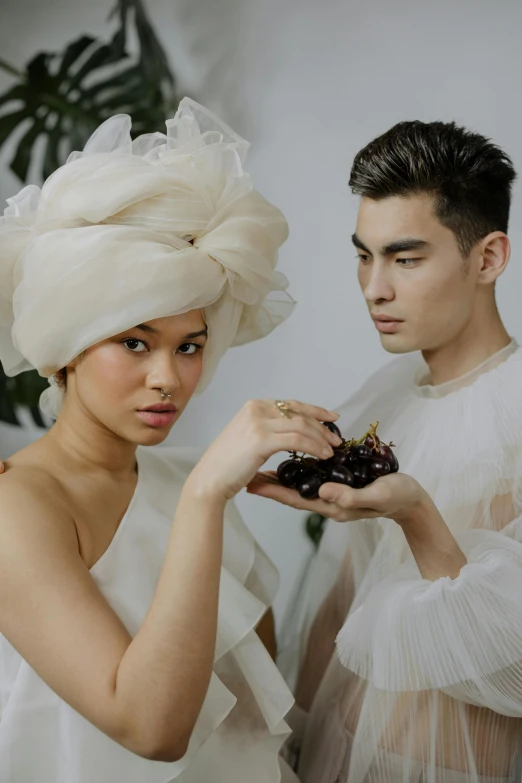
309 82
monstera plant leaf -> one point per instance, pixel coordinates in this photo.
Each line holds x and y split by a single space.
24 390
63 98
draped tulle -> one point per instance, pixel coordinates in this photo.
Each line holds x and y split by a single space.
408 679
241 726
129 231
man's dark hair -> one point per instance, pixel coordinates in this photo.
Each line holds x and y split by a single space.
469 177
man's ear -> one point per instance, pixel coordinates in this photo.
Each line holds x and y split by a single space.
494 252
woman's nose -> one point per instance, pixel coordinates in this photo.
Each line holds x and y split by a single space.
164 374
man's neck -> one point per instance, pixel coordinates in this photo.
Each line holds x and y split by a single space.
483 337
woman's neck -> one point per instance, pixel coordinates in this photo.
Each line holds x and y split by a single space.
86 444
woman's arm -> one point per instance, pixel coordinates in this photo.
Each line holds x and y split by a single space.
145 692
54 615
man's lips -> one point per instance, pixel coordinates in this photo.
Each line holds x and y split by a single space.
386 319
386 324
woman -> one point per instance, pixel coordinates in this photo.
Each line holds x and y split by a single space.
130 589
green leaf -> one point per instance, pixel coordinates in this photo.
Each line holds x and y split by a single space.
154 58
7 409
133 97
103 55
19 92
22 158
27 388
34 410
51 157
38 74
133 75
72 54
8 68
314 528
9 122
77 96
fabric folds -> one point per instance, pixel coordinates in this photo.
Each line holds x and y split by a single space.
241 726
128 231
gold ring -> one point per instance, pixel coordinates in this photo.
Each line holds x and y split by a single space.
283 407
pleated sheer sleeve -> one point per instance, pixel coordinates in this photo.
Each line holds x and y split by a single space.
462 636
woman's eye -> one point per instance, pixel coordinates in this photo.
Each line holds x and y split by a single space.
189 348
136 346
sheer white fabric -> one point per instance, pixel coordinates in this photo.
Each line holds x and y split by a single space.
242 723
128 231
425 683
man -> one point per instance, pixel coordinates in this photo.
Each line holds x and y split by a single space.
412 656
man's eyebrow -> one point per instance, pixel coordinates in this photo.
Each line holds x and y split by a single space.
398 246
360 244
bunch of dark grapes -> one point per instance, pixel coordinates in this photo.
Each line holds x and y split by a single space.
355 463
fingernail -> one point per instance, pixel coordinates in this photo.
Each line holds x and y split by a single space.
327 453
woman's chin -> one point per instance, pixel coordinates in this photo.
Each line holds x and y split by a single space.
154 437
149 436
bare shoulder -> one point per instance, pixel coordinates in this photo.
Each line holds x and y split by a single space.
27 479
34 510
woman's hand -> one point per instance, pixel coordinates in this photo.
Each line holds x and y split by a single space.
256 433
396 496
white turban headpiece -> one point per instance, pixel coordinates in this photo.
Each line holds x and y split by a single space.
128 231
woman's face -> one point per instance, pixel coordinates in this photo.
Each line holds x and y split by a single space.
117 382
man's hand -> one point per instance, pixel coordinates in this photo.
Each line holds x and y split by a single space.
396 496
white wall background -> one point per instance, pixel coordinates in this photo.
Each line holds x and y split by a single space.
309 82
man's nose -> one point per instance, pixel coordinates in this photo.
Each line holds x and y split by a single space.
377 287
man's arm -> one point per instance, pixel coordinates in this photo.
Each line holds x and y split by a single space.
461 635
432 543
398 497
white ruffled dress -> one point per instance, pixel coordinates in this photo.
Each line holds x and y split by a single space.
425 685
241 726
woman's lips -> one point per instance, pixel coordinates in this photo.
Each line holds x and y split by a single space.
157 418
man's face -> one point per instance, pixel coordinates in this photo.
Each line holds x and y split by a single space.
411 270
